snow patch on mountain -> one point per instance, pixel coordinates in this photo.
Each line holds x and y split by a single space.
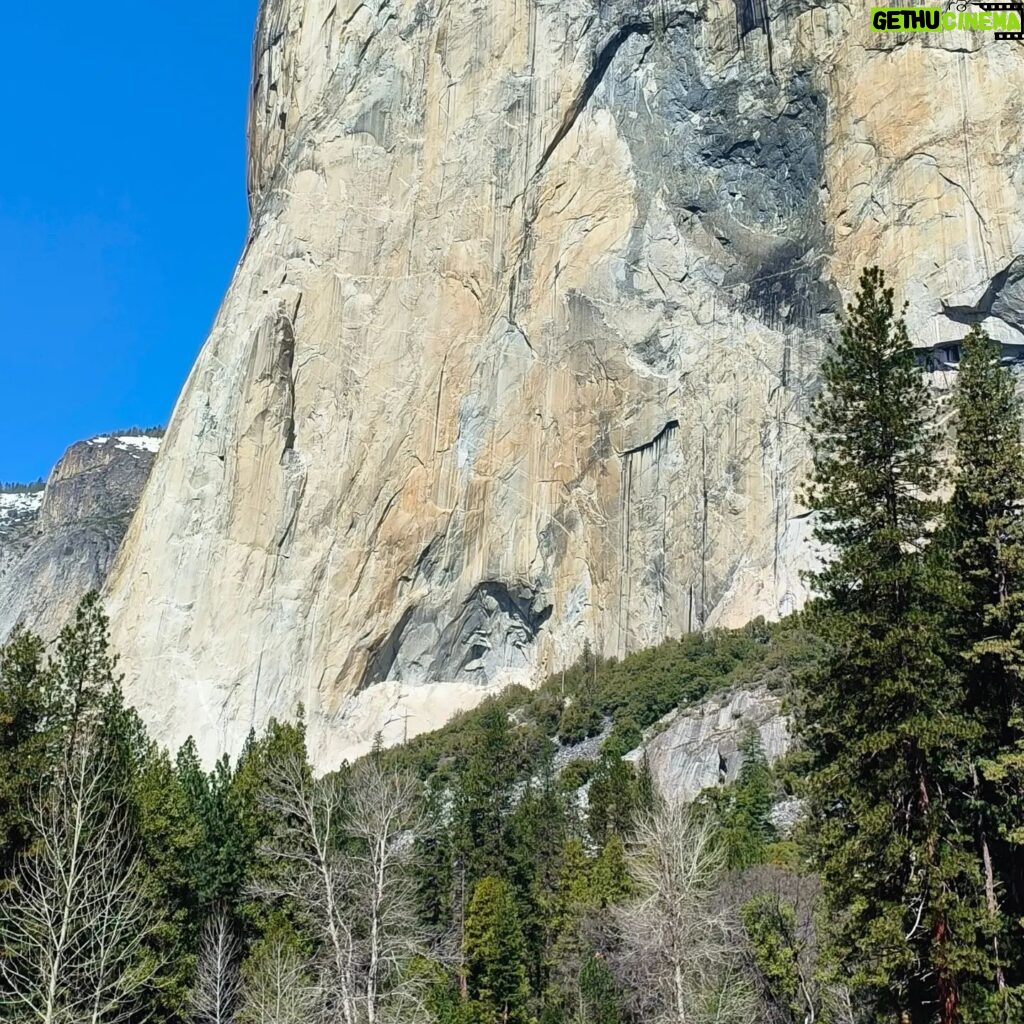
142 442
126 442
20 504
17 508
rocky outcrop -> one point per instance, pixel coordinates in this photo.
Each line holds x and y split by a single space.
19 514
698 748
57 544
528 319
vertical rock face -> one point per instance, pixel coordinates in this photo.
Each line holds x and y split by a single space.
58 543
519 347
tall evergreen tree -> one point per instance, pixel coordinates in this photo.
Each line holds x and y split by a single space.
613 800
27 740
483 798
883 715
495 951
167 837
83 669
984 536
746 807
599 998
537 835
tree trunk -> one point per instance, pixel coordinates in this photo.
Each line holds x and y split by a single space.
990 890
949 994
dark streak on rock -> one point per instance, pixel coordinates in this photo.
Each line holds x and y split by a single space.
384 652
285 363
605 55
656 443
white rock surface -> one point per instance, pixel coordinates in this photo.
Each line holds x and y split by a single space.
519 347
699 748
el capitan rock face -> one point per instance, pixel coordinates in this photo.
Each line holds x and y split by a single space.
519 348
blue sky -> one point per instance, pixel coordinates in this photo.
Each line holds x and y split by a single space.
122 211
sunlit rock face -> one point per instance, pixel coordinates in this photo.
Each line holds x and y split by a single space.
701 747
519 347
57 544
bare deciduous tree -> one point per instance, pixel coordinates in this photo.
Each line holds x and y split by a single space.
346 849
74 923
384 817
278 989
216 992
678 953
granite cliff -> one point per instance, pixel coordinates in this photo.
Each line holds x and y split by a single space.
57 543
519 346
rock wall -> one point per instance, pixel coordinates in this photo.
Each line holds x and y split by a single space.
58 544
698 748
518 350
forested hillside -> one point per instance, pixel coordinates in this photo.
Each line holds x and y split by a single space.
491 860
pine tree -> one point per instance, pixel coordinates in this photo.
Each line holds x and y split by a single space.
770 926
599 998
581 986
984 535
573 892
27 740
883 714
83 669
483 798
438 891
610 881
613 801
569 906
537 833
167 837
495 951
226 851
746 815
257 825
646 788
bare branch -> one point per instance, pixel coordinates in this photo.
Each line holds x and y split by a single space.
345 852
278 988
678 953
216 992
74 923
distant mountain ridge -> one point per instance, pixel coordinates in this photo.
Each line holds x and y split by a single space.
59 537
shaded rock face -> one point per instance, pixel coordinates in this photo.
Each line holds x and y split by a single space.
57 544
699 748
518 350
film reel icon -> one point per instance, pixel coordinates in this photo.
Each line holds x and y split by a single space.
990 7
960 6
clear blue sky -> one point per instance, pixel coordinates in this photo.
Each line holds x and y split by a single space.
122 210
